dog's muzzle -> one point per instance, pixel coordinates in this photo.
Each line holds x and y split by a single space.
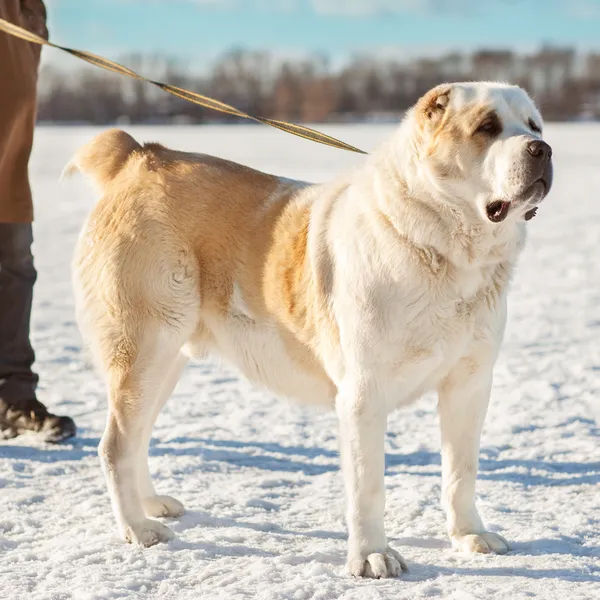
540 173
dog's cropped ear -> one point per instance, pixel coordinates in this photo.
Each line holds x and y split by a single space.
432 106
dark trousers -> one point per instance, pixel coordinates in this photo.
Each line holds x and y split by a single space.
17 276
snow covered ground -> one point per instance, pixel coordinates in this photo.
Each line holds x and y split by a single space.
259 476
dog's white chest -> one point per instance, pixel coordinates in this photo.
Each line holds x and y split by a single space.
422 342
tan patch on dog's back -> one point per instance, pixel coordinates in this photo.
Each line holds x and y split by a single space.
243 233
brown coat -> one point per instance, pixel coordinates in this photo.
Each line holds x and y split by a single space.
19 62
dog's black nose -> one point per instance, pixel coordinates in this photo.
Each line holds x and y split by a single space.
539 149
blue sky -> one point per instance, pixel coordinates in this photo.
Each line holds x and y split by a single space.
198 30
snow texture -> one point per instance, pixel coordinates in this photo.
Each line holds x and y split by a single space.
259 476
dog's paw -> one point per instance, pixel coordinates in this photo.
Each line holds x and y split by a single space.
377 565
162 506
148 533
482 543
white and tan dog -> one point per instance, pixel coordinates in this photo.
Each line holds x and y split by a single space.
361 294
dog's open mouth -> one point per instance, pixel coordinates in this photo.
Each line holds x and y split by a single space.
497 211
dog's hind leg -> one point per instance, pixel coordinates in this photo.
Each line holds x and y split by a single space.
136 381
159 505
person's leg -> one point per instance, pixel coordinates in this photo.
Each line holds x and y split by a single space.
17 277
19 409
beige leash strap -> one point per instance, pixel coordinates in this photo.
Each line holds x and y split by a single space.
109 65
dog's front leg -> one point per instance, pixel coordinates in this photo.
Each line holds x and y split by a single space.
463 401
362 418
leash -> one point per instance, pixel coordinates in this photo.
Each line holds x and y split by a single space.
195 98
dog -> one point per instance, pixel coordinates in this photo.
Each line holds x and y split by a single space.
361 294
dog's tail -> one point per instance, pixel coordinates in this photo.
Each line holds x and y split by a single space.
103 158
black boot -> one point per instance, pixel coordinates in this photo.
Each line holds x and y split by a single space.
32 415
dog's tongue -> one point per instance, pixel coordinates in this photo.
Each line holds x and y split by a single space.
497 211
530 214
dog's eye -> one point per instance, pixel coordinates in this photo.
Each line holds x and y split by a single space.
489 127
533 126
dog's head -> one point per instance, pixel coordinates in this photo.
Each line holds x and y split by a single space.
481 143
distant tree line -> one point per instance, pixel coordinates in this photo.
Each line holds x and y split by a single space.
565 84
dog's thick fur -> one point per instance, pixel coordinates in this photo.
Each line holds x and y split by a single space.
361 294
